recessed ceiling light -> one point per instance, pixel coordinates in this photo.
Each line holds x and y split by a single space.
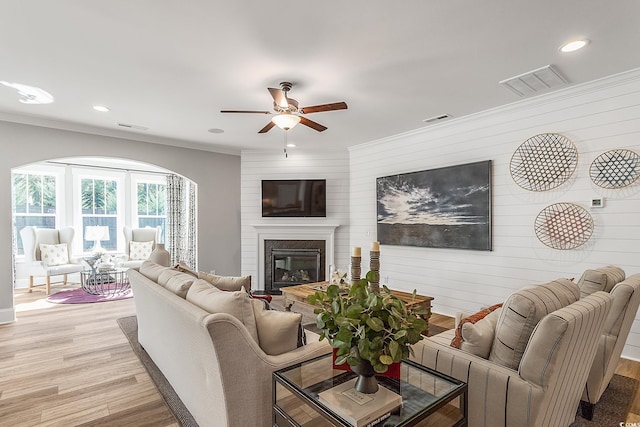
101 108
216 130
573 45
291 145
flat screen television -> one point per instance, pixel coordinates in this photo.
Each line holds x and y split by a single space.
294 198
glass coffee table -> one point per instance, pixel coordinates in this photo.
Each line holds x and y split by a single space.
428 397
106 282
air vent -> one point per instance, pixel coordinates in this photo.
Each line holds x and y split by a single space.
536 81
129 126
437 118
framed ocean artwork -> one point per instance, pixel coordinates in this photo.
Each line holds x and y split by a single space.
449 207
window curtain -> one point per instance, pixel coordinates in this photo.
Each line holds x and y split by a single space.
181 239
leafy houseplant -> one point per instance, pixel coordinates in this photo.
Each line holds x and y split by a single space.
368 326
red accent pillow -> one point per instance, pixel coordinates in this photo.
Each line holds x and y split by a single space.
457 340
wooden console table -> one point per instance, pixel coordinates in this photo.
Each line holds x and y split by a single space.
301 293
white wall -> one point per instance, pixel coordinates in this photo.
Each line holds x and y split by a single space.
217 176
256 166
597 117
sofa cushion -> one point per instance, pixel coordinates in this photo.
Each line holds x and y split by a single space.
600 279
176 281
226 283
277 330
53 255
521 312
471 319
237 303
477 338
151 270
591 281
140 250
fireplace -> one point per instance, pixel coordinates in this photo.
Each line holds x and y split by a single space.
289 231
293 262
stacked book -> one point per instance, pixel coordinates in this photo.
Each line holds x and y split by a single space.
359 409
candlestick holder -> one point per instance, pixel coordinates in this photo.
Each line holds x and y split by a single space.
374 267
355 269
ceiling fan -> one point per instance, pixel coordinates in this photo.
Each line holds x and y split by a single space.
288 112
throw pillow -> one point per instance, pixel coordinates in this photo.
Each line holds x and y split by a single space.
278 331
140 250
226 283
521 312
237 304
184 267
176 281
476 317
53 255
151 270
478 337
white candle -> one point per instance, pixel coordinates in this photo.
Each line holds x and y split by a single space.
356 252
375 246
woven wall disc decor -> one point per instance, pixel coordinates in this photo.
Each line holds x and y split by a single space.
544 162
564 226
615 169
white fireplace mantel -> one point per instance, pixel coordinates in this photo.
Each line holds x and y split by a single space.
294 231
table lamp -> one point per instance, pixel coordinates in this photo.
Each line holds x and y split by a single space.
96 233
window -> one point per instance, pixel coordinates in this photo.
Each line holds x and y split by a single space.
99 201
149 198
34 202
49 195
152 203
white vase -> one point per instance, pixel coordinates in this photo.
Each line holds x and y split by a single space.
160 255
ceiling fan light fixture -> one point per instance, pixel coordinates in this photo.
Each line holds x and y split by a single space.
286 121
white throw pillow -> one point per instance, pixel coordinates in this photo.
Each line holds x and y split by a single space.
477 338
140 250
176 281
211 299
151 270
53 255
277 330
227 283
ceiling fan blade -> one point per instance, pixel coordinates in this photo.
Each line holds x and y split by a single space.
279 97
245 111
312 124
267 128
324 107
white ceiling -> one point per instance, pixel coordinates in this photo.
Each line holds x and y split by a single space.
172 66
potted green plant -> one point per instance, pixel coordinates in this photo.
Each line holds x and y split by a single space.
369 330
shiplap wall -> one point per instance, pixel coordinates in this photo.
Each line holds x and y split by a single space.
256 166
597 117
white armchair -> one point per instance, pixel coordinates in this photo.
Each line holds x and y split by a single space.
64 264
139 235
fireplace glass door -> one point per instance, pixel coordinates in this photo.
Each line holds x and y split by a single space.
295 267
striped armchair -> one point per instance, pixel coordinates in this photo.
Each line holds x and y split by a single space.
626 299
545 388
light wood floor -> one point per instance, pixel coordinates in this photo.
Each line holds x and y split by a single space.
70 365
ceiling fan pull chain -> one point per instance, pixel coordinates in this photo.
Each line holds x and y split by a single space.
286 156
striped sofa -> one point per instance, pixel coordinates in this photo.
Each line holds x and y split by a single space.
552 350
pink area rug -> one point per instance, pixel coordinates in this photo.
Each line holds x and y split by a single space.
79 296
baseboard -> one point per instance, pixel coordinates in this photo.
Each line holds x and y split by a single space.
7 315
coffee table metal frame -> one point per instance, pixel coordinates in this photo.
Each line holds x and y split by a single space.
107 283
415 380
